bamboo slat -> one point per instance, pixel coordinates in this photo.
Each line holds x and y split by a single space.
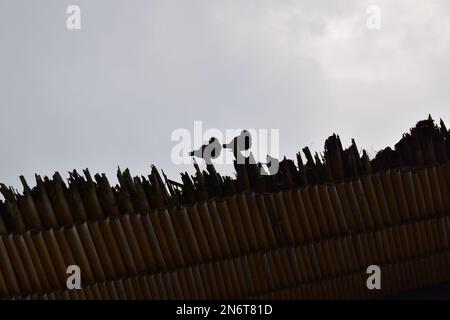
146 249
248 224
39 266
228 228
130 235
91 252
80 256
16 262
56 255
123 246
329 211
153 225
109 267
237 219
239 246
47 261
27 260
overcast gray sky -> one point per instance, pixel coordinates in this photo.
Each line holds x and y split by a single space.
112 93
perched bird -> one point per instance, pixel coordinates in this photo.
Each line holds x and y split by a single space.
208 151
240 143
273 165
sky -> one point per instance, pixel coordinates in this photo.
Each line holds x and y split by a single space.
112 93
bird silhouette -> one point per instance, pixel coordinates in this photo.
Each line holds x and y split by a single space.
208 151
273 165
240 143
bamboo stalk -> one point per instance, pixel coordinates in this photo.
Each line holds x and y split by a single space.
258 271
199 232
129 289
47 262
245 286
28 264
352 225
436 191
343 262
12 212
185 242
123 245
4 292
191 234
133 243
154 243
310 213
213 281
366 211
153 287
16 262
329 211
153 225
145 246
339 209
350 253
66 251
43 205
80 255
28 208
3 229
420 198
39 266
176 285
217 249
265 219
56 255
297 228
318 209
355 209
106 195
177 238
76 204
55 190
444 186
109 267
249 225
427 192
372 201
91 252
223 228
388 187
230 204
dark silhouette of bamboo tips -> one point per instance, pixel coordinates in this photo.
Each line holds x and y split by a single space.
52 202
298 233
